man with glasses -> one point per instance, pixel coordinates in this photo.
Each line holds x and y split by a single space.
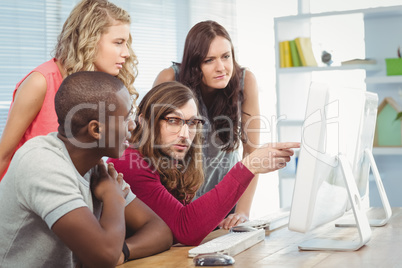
164 164
58 199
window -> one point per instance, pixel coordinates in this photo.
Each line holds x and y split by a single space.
28 33
159 29
29 30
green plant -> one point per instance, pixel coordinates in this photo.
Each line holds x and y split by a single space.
399 116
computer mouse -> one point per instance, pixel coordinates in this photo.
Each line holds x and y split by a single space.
213 259
242 229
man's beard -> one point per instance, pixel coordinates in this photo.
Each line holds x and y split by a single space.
178 164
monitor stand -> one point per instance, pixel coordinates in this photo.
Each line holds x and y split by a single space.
361 221
347 222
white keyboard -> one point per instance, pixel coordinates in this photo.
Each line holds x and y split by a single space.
230 243
270 221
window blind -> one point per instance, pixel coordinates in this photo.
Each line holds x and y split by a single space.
29 30
159 29
28 33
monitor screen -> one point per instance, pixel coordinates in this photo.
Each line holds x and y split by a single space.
339 125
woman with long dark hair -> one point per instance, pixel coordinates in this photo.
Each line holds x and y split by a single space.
228 100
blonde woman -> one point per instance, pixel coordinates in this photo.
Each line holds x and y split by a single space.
95 37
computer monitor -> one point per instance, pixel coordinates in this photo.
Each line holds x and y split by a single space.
333 166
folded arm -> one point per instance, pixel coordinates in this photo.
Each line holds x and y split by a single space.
97 243
147 234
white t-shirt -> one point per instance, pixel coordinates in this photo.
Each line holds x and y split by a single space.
40 187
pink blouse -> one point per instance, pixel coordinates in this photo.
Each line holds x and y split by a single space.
46 120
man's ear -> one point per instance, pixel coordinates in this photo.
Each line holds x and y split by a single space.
95 129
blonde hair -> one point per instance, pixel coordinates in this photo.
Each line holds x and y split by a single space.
77 43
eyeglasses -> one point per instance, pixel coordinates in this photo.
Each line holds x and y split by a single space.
174 124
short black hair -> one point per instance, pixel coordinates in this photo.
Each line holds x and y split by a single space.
82 97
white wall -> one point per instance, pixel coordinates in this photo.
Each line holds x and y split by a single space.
255 50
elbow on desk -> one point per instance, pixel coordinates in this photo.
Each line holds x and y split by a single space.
187 234
166 237
188 239
187 242
105 258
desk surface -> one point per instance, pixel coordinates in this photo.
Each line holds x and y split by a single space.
280 249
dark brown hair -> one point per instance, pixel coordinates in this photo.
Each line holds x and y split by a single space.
228 101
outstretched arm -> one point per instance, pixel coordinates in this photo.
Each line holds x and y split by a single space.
27 103
189 223
147 234
270 157
193 222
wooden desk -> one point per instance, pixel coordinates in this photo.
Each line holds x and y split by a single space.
280 249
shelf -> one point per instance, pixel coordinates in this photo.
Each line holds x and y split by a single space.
395 79
387 151
363 33
367 67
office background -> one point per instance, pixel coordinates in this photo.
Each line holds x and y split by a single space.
29 29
